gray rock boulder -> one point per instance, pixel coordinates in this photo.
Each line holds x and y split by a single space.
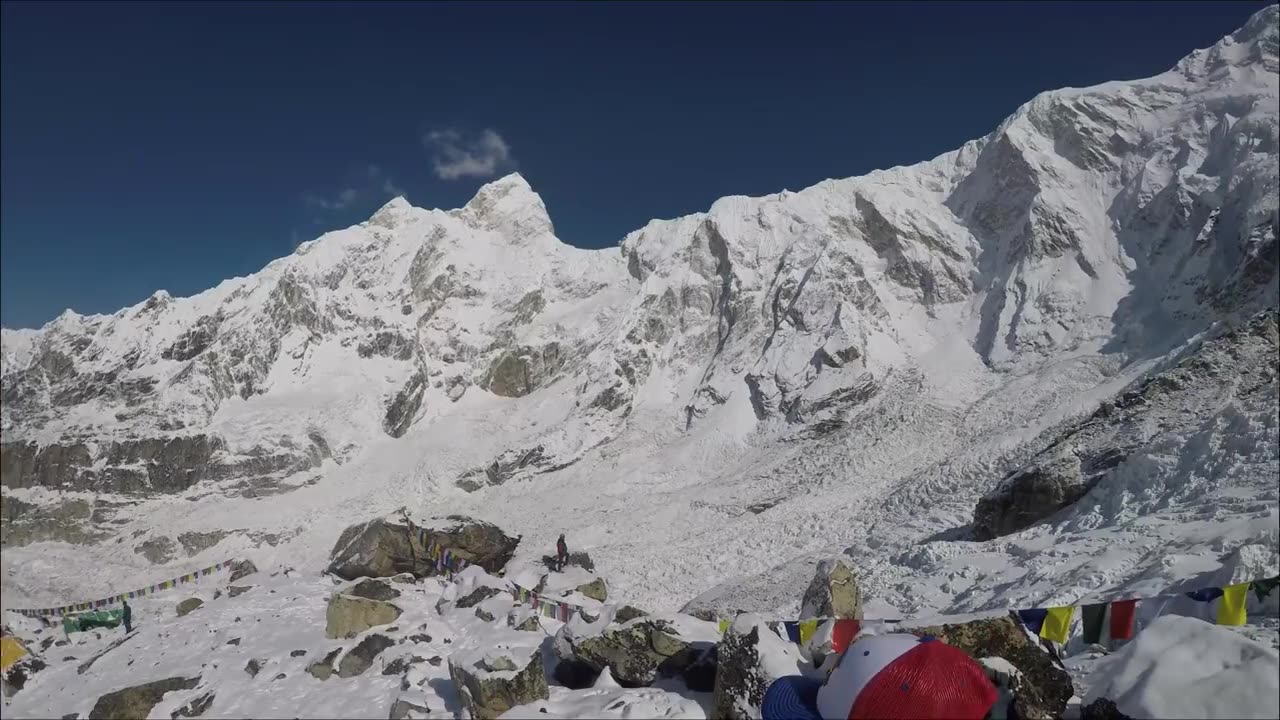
195 708
749 658
323 669
242 568
350 615
1029 495
384 548
491 683
402 709
575 559
360 658
137 701
641 650
833 593
188 605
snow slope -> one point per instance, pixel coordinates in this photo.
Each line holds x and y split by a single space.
719 402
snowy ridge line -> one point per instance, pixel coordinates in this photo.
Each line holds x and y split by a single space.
149 590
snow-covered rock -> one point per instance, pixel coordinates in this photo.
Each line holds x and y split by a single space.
1181 667
750 657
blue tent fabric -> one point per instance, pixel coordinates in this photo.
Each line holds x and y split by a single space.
1033 619
791 697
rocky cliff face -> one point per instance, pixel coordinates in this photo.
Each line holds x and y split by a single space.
1117 221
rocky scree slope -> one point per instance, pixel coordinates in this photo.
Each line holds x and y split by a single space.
439 353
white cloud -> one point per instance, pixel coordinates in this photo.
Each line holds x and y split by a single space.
375 183
454 155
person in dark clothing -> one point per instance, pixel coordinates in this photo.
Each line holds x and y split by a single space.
128 618
562 553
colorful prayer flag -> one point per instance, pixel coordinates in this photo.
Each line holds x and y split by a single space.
1094 617
1263 588
1057 623
793 631
724 626
842 635
807 628
1205 595
1231 609
1033 619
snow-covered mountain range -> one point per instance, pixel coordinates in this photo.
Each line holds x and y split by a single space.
724 397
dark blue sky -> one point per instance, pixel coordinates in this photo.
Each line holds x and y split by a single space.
172 145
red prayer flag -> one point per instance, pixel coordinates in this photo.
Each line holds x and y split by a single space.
843 634
1122 612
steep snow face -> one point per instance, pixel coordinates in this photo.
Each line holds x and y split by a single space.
723 393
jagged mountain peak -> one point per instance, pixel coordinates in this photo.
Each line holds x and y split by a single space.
510 207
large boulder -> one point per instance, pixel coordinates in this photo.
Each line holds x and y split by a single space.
322 669
1043 687
188 605
350 615
641 650
573 580
360 658
833 592
383 547
575 559
491 683
1030 495
241 569
135 703
750 657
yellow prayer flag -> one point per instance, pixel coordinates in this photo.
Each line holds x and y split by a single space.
724 626
1057 624
807 628
1231 607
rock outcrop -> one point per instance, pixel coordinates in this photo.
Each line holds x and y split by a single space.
640 651
833 593
750 657
349 615
322 669
188 605
360 658
383 548
135 703
1233 367
490 683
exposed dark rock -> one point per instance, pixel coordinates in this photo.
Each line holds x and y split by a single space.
628 612
477 596
297 653
1029 495
387 343
576 674
188 605
158 550
382 549
348 616
401 664
373 589
485 690
1102 709
402 709
194 543
747 658
137 701
834 592
360 658
238 590
323 669
233 641
70 521
404 407
253 667
521 370
575 559
242 568
194 341
508 465
638 652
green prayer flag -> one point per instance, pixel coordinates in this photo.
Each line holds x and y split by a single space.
1094 617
